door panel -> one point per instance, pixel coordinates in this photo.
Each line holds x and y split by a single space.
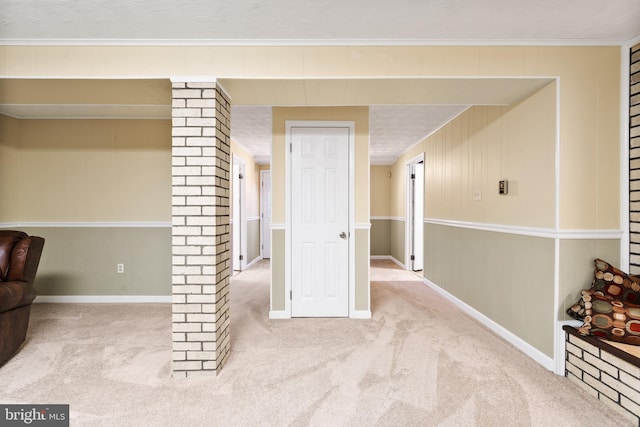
320 214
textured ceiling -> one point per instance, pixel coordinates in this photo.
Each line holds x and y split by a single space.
259 21
393 129
251 128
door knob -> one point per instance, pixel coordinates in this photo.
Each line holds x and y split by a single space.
343 235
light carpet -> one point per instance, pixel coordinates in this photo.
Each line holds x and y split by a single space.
418 361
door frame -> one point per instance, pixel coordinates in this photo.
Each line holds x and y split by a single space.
289 125
408 241
241 192
265 232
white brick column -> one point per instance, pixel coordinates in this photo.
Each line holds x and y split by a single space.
200 231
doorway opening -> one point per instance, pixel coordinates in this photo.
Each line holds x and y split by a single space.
415 214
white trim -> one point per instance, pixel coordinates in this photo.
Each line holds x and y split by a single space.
194 79
279 314
113 224
388 257
397 218
103 299
287 222
561 347
634 41
255 260
556 300
311 42
265 231
589 234
278 227
509 336
362 226
360 314
557 200
625 63
404 267
238 161
253 218
379 218
549 233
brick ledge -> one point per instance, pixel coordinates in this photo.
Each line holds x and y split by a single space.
603 345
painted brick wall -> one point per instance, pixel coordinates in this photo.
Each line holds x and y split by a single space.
604 376
200 229
634 159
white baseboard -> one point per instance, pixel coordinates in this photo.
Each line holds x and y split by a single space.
279 315
257 259
103 299
390 258
509 336
399 263
360 314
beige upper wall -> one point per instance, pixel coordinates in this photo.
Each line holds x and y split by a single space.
9 168
589 91
91 170
482 146
380 191
359 115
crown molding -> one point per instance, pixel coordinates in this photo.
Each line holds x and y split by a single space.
312 42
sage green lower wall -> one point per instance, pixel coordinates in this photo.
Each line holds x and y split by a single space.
397 239
253 239
508 278
362 270
576 267
380 237
277 270
82 260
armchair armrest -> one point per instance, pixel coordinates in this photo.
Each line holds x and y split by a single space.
15 294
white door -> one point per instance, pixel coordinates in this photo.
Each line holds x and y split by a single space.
265 215
319 221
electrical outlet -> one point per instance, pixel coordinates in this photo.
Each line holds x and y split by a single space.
120 268
477 196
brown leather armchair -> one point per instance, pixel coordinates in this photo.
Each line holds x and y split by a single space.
19 259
